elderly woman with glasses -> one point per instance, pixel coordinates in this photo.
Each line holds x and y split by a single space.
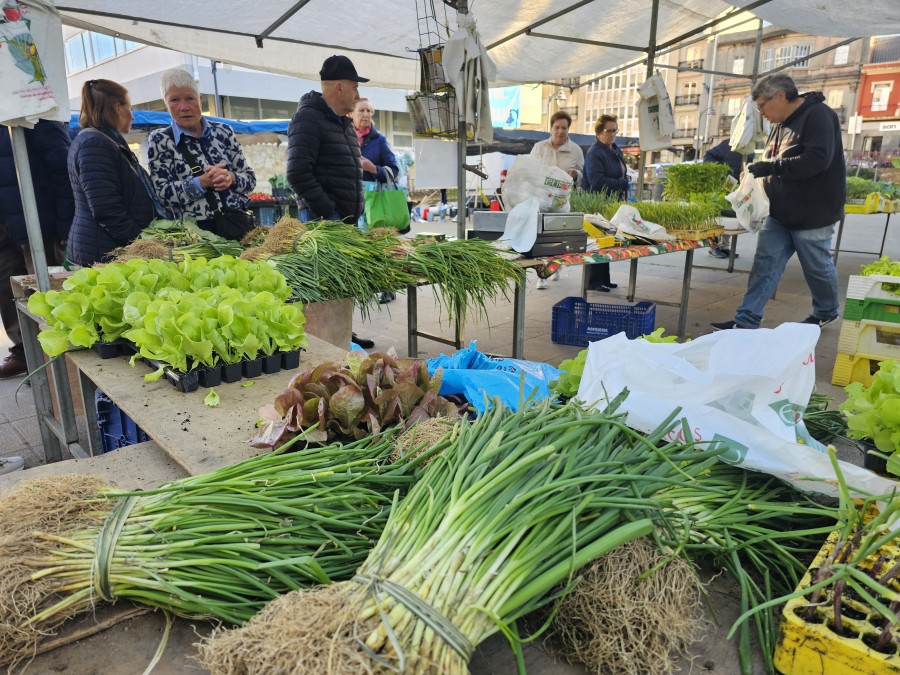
221 177
605 171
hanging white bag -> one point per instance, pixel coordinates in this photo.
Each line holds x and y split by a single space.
750 202
747 389
628 219
550 185
656 119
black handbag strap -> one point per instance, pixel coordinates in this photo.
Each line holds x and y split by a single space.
196 171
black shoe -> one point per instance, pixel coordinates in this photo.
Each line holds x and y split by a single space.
385 297
602 288
611 284
718 253
726 325
821 323
362 342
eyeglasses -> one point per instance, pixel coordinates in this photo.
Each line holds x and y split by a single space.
610 131
763 104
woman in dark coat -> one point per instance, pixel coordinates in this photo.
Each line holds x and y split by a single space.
114 199
605 171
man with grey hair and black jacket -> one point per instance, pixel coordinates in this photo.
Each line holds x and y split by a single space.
324 167
804 177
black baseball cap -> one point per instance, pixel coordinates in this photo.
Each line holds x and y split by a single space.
340 68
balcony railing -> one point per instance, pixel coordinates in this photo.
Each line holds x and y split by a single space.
571 109
685 133
687 65
840 114
692 99
725 124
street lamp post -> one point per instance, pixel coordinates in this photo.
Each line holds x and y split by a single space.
560 96
711 112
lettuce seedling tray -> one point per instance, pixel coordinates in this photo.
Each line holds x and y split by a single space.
814 646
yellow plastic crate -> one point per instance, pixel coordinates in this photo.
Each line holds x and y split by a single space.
871 339
696 235
812 647
853 368
870 205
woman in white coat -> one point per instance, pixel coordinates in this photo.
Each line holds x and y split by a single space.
559 151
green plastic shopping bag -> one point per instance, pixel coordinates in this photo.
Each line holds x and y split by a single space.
386 207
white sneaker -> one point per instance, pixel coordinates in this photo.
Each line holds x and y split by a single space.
555 276
542 284
10 464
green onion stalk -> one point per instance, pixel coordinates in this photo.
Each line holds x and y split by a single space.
218 545
761 530
862 563
513 505
334 261
208 250
463 273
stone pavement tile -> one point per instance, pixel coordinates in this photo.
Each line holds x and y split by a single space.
11 441
28 429
13 410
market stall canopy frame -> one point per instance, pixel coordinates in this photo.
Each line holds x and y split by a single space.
296 37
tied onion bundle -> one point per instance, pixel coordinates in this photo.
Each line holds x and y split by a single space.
334 261
463 273
216 545
514 504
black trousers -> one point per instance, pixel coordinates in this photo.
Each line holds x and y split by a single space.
598 275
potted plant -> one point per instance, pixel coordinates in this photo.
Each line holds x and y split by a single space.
873 417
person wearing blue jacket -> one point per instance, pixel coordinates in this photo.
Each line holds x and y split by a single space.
47 145
605 171
378 160
114 198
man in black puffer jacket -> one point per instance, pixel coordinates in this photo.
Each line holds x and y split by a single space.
804 178
323 165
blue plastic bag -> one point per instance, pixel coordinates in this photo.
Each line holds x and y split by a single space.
474 375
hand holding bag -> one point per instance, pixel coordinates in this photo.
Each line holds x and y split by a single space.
387 207
230 223
750 203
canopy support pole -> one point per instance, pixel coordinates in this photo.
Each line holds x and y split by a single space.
651 57
29 205
461 8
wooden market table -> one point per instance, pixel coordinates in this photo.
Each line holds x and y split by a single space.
199 438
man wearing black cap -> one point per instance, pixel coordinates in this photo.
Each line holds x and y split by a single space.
323 163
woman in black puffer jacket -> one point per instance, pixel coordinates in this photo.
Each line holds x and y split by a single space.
114 199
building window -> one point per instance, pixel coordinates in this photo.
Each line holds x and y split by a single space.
841 55
734 106
835 98
88 48
788 53
881 92
738 67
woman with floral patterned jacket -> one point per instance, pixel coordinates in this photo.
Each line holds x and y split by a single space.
225 178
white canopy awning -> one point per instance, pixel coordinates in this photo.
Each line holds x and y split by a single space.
381 36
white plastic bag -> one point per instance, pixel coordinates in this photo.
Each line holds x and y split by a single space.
521 226
747 389
656 119
627 219
751 205
550 185
748 127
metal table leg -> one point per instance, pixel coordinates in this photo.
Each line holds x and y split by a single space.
89 401
884 236
585 276
685 291
518 346
837 245
632 279
732 245
40 386
412 322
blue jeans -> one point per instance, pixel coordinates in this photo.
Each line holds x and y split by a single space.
774 248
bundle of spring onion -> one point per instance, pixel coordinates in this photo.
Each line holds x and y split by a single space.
217 545
761 530
670 215
333 261
514 504
463 273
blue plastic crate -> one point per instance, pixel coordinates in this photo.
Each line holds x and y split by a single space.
578 322
116 428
